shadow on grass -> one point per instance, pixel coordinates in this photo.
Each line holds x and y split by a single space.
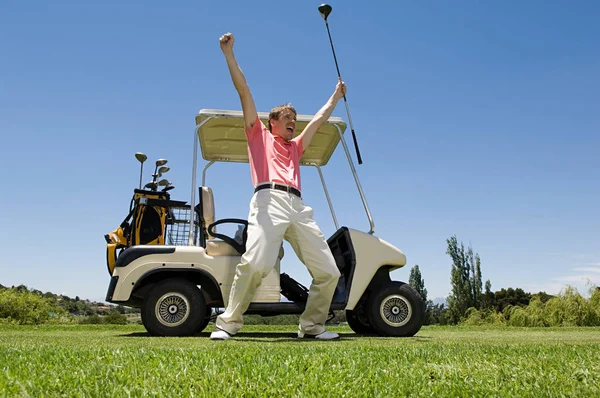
282 337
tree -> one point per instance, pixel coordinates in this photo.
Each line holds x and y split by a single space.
544 297
416 281
432 312
487 301
458 300
476 285
465 277
435 314
513 297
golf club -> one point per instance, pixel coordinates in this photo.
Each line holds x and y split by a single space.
141 158
159 162
162 170
152 185
325 10
166 184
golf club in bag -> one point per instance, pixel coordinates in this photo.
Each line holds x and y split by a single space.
152 216
325 10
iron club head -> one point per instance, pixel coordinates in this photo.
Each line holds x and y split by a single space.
325 10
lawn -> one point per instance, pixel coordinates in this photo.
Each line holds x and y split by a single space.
120 361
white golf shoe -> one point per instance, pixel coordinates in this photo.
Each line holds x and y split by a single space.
219 334
321 336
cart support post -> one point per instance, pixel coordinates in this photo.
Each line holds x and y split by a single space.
328 198
360 190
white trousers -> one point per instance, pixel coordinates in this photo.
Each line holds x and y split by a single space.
276 215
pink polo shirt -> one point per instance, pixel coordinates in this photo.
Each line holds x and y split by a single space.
272 159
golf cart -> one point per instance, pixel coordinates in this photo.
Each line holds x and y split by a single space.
181 274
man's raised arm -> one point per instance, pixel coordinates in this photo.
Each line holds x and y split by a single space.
323 114
239 81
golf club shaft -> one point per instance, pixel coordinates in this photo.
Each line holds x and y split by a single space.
141 171
345 100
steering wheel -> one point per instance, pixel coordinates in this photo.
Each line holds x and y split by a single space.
239 248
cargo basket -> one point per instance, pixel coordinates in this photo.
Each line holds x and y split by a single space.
178 226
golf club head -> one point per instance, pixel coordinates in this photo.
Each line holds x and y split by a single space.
168 188
164 183
151 185
325 10
163 169
141 157
161 162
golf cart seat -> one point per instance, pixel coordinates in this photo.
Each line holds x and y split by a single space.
224 245
214 243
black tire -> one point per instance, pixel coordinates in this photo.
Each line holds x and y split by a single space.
358 321
396 310
173 307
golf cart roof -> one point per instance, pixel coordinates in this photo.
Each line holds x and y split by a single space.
222 137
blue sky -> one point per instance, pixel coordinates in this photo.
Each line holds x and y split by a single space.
474 119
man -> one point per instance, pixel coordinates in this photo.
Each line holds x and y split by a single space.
277 211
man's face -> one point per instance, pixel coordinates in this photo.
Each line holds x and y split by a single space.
285 126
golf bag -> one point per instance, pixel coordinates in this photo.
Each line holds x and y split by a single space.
149 211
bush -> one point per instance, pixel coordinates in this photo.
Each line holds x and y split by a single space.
90 320
27 308
64 319
532 315
475 317
569 308
115 318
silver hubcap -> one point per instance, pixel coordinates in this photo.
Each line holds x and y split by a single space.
172 309
395 310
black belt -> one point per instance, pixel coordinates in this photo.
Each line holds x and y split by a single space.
279 187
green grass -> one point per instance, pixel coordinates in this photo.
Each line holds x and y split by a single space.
120 361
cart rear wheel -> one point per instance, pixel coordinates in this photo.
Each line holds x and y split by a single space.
396 310
173 307
205 321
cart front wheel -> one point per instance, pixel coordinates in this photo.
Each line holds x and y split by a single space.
396 310
173 307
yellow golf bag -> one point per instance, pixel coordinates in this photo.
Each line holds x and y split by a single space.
149 212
